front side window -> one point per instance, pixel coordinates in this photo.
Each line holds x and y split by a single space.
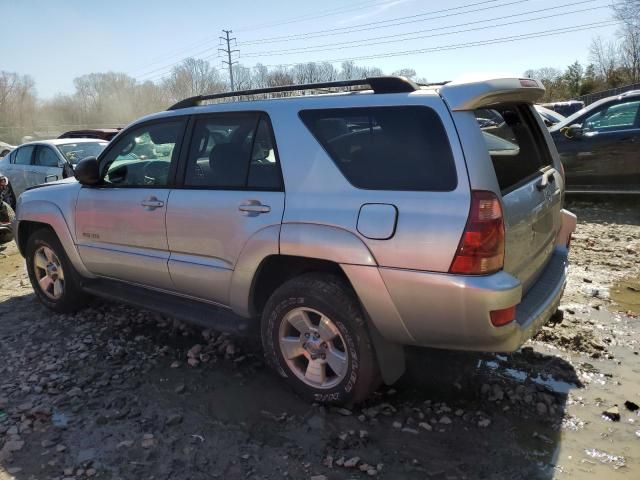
233 151
74 152
621 116
24 154
514 142
386 148
143 156
45 157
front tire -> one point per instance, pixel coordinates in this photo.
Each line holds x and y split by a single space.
315 335
53 278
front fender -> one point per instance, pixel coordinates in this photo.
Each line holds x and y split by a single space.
42 211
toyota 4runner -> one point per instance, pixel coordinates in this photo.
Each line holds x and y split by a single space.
345 225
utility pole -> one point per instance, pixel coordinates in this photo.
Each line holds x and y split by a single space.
229 52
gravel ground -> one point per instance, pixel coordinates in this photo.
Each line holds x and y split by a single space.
114 392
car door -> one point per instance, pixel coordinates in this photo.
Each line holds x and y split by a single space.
20 170
231 188
46 165
605 157
120 223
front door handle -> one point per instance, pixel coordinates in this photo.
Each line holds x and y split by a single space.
152 203
253 208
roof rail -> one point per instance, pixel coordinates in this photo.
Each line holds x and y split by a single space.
377 84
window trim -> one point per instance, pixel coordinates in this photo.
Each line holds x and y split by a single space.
181 119
190 130
456 182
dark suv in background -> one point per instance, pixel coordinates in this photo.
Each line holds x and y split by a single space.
599 146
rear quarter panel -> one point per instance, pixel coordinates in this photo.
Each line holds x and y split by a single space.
429 224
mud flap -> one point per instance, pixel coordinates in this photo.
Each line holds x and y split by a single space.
391 357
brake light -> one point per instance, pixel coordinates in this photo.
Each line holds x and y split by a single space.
481 249
502 317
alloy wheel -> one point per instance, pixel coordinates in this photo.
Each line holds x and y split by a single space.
48 272
313 348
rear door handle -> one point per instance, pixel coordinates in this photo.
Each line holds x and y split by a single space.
546 179
152 203
253 208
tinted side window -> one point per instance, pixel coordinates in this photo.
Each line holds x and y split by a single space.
143 156
386 148
23 155
233 151
514 142
45 157
615 117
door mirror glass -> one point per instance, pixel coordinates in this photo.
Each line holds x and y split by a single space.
87 171
573 131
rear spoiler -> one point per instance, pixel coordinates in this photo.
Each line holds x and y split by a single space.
478 94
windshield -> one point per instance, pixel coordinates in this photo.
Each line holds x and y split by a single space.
74 152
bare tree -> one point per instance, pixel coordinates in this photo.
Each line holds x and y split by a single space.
604 55
193 77
628 13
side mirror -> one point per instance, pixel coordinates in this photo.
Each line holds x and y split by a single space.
87 171
573 131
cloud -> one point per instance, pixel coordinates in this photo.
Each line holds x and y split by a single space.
373 12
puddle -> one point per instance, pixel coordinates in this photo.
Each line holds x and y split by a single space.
553 384
626 294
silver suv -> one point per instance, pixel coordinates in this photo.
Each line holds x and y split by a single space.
345 225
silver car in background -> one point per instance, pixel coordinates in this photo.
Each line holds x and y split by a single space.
44 161
342 226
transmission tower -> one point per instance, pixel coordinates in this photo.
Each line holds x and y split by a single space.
230 63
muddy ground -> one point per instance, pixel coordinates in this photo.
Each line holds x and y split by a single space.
118 393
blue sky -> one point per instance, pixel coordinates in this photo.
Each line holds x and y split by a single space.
57 40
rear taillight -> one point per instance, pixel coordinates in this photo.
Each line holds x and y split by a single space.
481 249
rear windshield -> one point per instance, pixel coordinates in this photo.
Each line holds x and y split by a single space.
518 150
386 148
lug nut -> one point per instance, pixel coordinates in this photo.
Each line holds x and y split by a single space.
306 335
324 345
323 356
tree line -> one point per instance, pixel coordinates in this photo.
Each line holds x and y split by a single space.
113 99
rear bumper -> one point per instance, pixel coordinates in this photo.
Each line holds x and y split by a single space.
453 311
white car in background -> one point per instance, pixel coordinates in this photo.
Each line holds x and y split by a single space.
45 161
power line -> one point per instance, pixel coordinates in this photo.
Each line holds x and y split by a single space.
267 40
379 24
229 52
371 41
509 39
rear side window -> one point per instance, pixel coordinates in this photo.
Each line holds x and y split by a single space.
386 148
516 145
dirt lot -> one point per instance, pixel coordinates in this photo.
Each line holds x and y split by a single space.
118 393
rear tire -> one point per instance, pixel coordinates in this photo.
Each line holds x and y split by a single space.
53 278
314 334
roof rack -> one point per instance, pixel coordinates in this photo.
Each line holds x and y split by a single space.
378 85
